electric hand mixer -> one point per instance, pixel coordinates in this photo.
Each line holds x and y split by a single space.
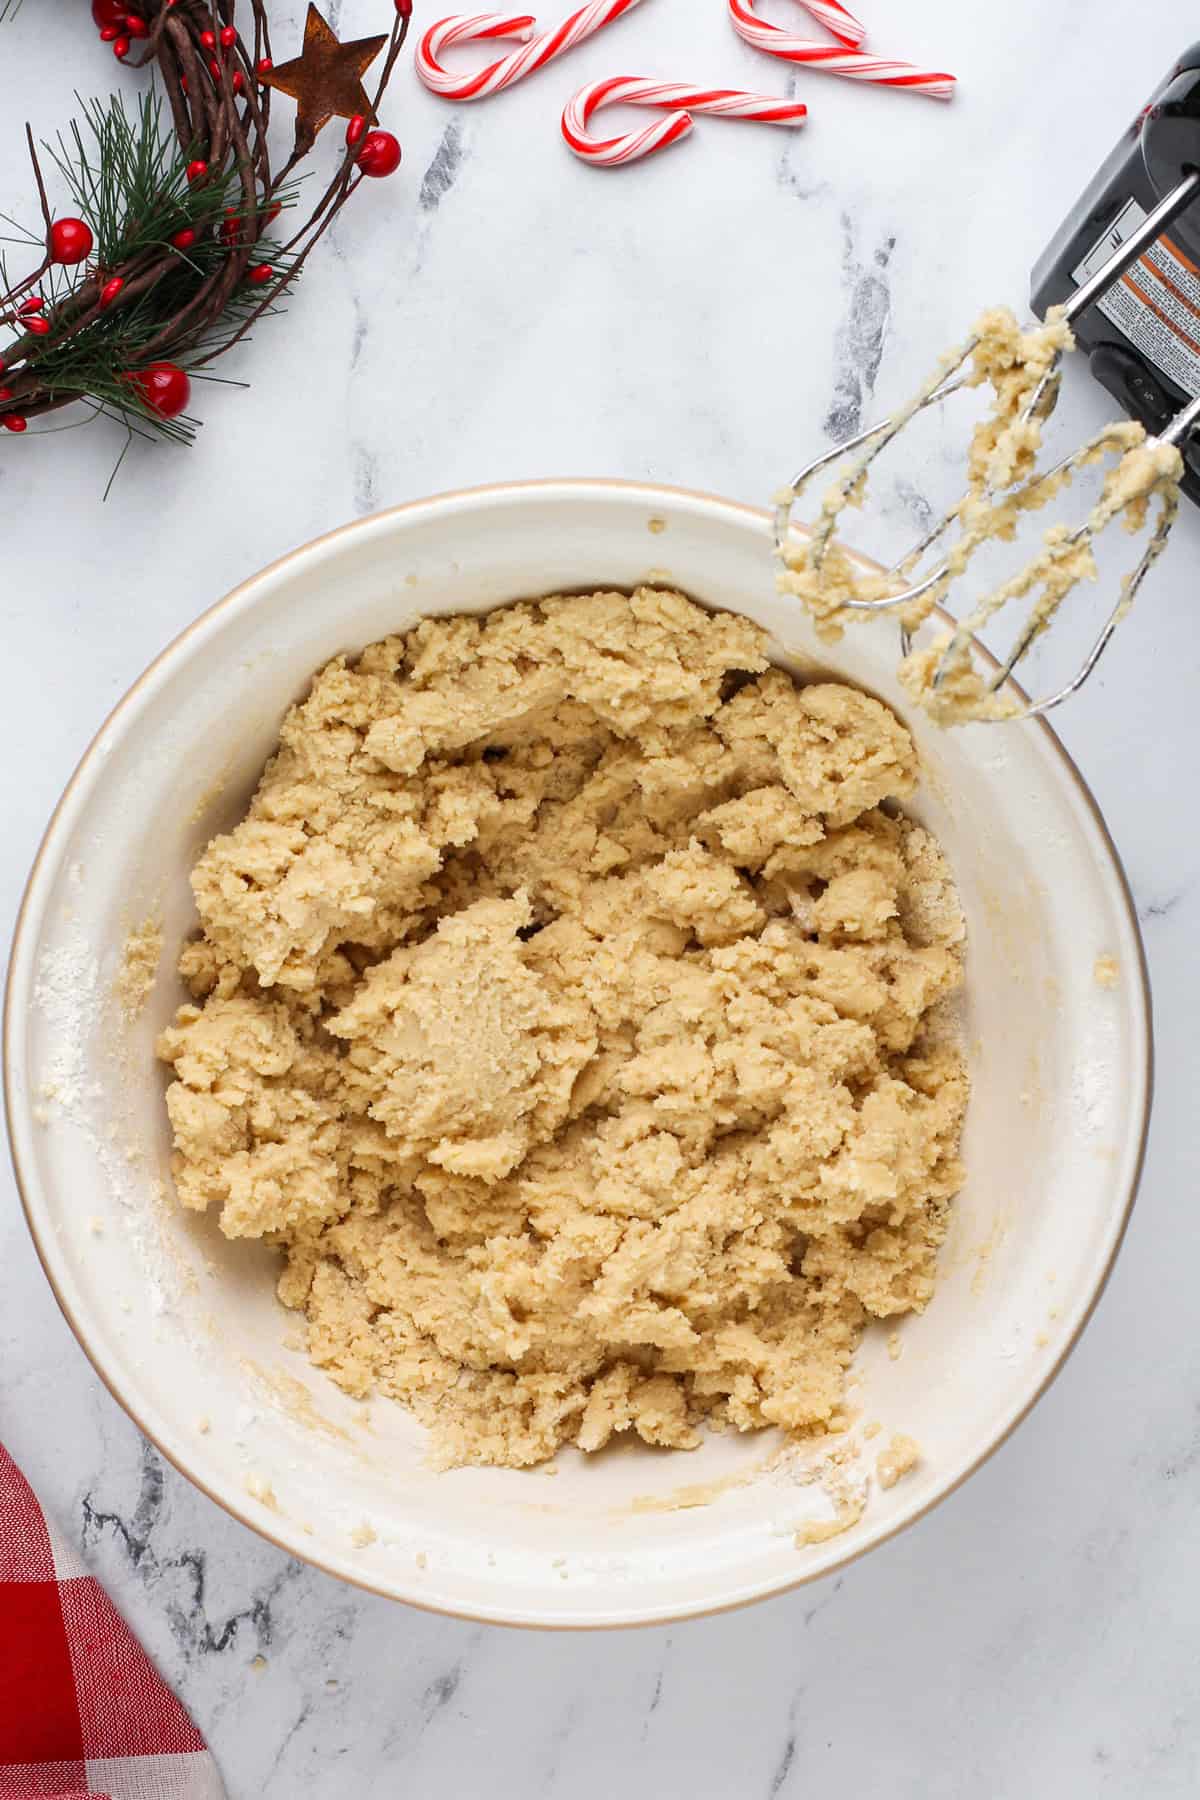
1130 296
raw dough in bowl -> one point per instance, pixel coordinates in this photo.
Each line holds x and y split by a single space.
571 1009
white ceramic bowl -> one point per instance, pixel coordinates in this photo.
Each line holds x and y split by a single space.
184 1328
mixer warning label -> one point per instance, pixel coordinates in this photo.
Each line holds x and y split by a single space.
1156 303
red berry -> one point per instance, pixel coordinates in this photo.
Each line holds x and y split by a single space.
35 303
239 81
404 8
271 215
231 227
110 290
109 32
208 39
136 28
5 393
355 129
262 272
214 69
228 36
109 12
196 171
380 154
183 83
163 387
183 240
37 326
263 66
13 422
121 48
70 241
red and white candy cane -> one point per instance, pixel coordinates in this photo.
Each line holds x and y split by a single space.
838 20
836 59
611 153
473 27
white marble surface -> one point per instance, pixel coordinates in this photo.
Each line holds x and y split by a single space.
500 311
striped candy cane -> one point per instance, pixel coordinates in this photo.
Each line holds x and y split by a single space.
611 153
836 59
470 27
838 20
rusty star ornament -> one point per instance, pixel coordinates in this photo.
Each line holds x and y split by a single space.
326 78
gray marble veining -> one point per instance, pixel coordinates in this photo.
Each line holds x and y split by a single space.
862 333
444 167
709 318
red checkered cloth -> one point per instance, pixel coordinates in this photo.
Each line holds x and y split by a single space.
84 1714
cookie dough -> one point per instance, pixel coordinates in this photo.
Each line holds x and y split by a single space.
1002 487
1106 971
573 1010
901 1457
137 971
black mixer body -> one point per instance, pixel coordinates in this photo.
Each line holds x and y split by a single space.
1142 338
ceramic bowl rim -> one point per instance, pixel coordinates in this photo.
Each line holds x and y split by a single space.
27 929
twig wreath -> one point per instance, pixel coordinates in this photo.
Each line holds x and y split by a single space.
171 259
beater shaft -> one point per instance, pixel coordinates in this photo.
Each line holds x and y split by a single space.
1126 254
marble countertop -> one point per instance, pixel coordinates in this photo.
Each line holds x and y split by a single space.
500 311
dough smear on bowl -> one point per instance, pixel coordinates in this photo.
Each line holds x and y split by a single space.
569 1010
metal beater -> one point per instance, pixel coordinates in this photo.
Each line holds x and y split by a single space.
911 585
